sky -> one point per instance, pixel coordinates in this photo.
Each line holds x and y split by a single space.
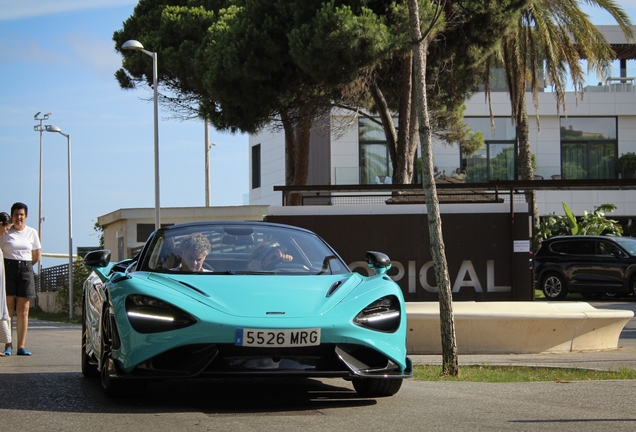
58 56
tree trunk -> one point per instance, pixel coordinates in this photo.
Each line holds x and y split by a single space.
404 149
390 132
297 134
450 361
525 162
401 142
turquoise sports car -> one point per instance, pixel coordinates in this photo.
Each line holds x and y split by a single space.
241 299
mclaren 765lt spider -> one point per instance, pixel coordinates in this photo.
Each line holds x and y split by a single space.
241 299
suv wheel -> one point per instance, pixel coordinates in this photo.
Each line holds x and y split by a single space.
553 286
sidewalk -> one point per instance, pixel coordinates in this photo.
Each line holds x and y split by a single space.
625 356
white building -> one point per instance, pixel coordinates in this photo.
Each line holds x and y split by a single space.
585 144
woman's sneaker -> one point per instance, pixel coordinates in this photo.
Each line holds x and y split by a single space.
23 351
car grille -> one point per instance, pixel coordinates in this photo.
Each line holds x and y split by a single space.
326 360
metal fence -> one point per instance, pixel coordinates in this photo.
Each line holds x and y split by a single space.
509 191
411 197
53 278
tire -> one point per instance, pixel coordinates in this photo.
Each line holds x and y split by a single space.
553 286
612 295
110 387
89 367
632 286
377 387
114 387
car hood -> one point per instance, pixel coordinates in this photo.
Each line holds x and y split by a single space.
261 296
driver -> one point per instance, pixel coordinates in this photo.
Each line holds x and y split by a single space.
194 249
267 256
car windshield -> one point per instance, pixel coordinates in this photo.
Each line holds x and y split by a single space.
629 244
240 249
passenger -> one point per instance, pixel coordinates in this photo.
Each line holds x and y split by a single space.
194 249
267 256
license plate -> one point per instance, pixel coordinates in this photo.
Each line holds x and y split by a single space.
277 338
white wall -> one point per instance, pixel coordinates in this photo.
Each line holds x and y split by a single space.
544 137
345 151
272 167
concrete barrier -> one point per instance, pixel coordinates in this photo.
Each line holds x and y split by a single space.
516 327
48 301
499 327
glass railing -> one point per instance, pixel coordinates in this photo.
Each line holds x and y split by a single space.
548 173
621 80
346 176
350 175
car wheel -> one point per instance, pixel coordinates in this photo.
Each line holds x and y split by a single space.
632 285
114 387
110 386
553 286
89 367
612 295
377 387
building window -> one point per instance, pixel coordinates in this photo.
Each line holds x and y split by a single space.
497 159
145 229
375 161
589 147
256 166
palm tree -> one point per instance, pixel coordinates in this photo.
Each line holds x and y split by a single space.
559 34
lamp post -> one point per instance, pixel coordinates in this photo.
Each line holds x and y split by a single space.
38 128
208 145
133 45
50 128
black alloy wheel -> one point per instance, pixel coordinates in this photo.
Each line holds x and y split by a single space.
553 286
114 387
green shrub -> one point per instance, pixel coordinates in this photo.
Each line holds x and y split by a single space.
80 273
626 163
591 223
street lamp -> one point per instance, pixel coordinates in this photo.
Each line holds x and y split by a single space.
38 128
133 45
50 128
208 145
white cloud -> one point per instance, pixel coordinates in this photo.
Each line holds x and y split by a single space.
79 49
26 50
99 54
19 9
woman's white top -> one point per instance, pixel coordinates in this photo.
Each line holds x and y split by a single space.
18 245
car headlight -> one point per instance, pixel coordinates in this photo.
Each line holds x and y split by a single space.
151 315
382 315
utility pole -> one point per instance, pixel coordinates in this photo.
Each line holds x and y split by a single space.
39 128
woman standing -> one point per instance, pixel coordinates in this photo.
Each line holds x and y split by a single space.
21 248
5 318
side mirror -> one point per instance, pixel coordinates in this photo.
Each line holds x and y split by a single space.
378 261
617 253
98 258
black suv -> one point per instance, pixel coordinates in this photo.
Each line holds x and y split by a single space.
591 265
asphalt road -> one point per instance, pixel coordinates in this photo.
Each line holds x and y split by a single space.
46 392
